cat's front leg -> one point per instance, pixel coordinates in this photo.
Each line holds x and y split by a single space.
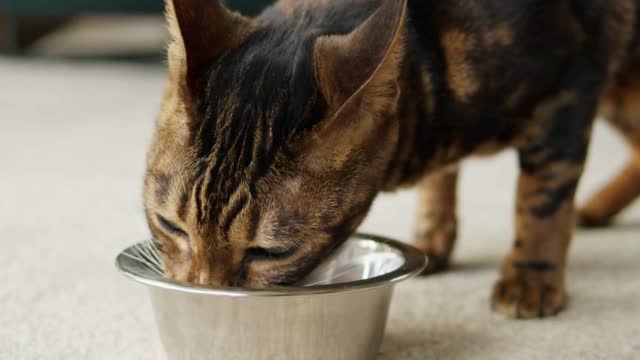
437 223
532 280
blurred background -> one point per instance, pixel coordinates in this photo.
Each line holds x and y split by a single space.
119 29
80 87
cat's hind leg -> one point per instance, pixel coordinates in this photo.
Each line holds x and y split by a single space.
614 197
437 221
621 106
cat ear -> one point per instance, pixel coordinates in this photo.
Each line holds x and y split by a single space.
201 30
363 65
357 74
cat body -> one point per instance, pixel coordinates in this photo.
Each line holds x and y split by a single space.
277 132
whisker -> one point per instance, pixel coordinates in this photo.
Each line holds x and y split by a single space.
155 257
151 260
150 266
145 262
333 276
158 260
148 252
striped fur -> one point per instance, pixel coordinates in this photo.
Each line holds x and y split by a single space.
276 133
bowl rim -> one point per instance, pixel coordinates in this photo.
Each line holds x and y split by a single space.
415 262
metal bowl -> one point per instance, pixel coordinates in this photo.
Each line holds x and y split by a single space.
338 312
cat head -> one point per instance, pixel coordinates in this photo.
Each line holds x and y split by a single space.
273 138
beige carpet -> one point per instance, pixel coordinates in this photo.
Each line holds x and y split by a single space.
72 146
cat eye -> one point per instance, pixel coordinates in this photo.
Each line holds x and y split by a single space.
171 228
276 253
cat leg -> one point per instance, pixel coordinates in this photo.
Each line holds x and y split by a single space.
437 222
614 197
621 107
532 282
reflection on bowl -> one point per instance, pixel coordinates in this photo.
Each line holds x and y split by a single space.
354 261
338 312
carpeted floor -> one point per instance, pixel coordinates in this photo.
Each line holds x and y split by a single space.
72 146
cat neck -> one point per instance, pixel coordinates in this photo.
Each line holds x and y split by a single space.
420 148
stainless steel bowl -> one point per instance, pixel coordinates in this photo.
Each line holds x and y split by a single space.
338 312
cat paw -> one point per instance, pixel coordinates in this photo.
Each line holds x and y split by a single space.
437 243
587 219
435 264
524 299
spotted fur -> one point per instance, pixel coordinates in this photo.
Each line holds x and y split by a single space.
276 133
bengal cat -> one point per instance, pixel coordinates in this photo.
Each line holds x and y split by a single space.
277 132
